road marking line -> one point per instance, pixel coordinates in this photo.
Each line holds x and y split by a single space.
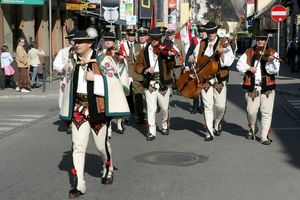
21 120
11 123
34 116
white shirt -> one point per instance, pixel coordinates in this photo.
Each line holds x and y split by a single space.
272 67
82 83
61 60
6 59
153 58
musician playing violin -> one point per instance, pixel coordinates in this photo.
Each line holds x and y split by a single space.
154 62
214 88
260 64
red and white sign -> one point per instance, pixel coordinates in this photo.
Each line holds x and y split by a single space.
278 13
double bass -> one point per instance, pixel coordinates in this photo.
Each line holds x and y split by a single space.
190 83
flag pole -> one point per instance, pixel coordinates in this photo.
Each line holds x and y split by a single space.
181 27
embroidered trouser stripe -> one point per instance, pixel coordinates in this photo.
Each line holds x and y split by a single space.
80 138
107 163
152 100
265 104
212 99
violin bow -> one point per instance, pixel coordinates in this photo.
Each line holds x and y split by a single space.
264 49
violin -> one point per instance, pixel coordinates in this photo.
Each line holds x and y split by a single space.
265 55
116 54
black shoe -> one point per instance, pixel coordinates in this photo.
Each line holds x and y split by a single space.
249 137
218 132
165 132
193 111
107 180
34 86
210 138
267 142
74 193
150 137
120 131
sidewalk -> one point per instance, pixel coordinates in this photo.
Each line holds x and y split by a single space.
288 88
9 93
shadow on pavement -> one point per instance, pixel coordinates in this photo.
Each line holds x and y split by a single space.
93 165
61 126
179 124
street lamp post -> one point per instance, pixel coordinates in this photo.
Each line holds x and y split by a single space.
50 43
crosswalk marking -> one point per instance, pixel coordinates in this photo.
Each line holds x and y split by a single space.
13 121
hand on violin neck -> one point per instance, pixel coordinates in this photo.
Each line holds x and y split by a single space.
220 50
149 70
253 69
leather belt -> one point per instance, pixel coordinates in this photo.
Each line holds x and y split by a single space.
82 99
155 76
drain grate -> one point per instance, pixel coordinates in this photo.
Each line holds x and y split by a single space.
171 158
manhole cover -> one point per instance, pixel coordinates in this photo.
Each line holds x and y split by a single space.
171 158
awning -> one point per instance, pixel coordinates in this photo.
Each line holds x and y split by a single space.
265 9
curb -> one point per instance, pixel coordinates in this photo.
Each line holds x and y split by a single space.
29 96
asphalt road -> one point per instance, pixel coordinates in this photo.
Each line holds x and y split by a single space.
35 156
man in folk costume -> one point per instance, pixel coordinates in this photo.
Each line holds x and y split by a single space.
120 60
126 46
177 44
260 64
61 64
156 68
190 61
95 96
137 85
214 90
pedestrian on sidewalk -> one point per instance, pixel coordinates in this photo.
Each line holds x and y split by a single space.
291 55
34 63
260 67
7 69
23 70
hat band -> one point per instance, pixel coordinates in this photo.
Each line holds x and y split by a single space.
210 29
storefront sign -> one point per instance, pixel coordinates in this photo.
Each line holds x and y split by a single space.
23 2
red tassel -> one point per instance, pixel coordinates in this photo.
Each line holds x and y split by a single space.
108 163
249 125
270 131
73 171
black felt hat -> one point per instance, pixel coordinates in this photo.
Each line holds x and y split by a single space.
211 27
155 33
88 34
261 34
109 36
71 34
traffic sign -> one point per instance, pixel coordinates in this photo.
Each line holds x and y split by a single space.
278 13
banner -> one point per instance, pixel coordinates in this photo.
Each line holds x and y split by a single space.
145 9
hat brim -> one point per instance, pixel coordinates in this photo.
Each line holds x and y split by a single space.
82 38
